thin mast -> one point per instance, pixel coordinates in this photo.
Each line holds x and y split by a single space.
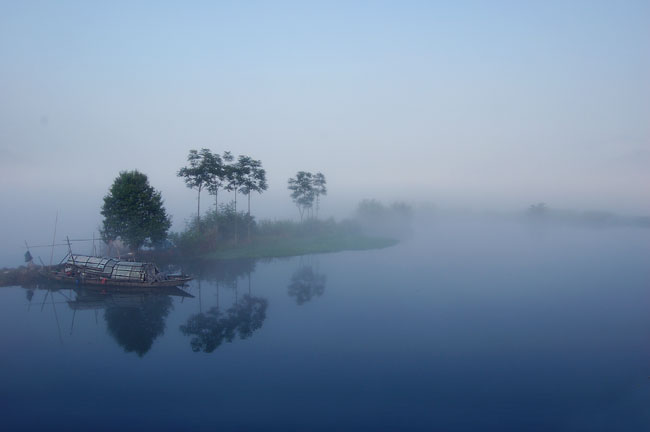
56 220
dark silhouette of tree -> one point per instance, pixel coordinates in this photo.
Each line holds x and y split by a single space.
302 191
211 329
537 210
371 209
207 330
236 174
199 174
249 314
136 327
218 176
305 284
246 176
134 212
318 183
394 220
254 180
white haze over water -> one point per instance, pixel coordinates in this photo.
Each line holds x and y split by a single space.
482 105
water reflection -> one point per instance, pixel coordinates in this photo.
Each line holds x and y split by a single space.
214 327
210 329
135 328
134 320
305 284
221 272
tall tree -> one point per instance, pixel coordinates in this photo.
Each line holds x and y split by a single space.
134 212
218 176
236 174
302 191
254 180
318 183
198 174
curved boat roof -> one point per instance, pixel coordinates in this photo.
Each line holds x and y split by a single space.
111 268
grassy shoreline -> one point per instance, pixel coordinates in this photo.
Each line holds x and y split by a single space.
267 247
294 246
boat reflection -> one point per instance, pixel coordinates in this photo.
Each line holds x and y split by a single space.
88 299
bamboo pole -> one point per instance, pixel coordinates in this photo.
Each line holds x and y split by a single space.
56 221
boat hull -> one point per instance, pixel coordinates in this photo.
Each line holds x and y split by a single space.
81 281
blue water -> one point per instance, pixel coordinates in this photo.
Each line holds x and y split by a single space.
462 327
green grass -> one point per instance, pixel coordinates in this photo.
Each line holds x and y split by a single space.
292 246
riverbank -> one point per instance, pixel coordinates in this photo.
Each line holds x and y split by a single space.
224 237
295 246
268 246
19 276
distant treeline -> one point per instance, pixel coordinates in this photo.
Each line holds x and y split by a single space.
541 211
376 218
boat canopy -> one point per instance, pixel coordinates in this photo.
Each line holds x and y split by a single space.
110 268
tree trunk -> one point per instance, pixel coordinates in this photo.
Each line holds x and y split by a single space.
200 305
236 233
248 221
198 212
216 211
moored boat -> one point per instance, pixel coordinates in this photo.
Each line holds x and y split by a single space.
99 271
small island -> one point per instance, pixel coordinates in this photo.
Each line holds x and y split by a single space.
136 220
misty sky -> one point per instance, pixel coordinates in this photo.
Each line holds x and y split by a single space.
474 104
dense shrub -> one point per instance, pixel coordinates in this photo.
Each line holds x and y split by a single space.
217 229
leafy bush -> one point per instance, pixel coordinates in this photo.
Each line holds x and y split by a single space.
216 229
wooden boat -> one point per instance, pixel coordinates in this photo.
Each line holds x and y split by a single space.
98 272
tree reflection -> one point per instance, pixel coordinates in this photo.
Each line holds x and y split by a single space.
212 328
305 284
136 327
224 272
134 320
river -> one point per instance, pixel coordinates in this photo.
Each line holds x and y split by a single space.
479 325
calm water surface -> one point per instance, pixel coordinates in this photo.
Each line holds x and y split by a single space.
473 326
